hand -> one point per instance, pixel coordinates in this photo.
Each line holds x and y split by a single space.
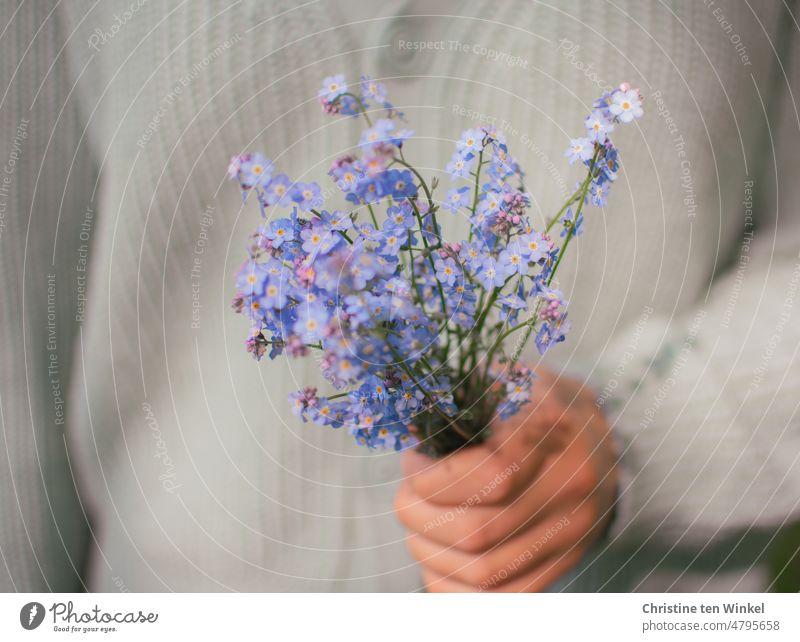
516 512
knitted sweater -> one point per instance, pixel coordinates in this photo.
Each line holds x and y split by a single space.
143 449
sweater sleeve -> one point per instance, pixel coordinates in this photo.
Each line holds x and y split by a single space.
45 186
705 405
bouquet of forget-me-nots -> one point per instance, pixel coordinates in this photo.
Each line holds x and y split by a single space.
418 336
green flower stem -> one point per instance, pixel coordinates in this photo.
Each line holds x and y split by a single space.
372 214
422 183
337 396
342 233
428 195
475 194
450 420
433 267
529 323
501 337
569 202
360 105
416 288
571 229
427 364
485 311
315 346
413 272
570 232
580 194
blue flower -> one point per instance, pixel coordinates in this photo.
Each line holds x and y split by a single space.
251 278
473 254
501 164
608 165
402 216
491 201
280 230
302 400
368 232
446 270
333 86
408 400
567 223
347 175
318 240
372 90
533 246
513 260
626 105
254 170
400 136
599 194
551 333
275 292
598 126
510 305
378 133
336 220
278 191
327 413
400 184
456 198
471 142
492 274
460 166
345 369
308 196
311 320
362 268
579 149
393 239
374 188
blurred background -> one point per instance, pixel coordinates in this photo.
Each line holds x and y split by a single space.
144 450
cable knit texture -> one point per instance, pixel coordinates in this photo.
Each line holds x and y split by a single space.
178 466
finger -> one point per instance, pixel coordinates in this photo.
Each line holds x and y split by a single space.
564 483
535 581
492 472
435 583
472 529
517 556
474 472
541 578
